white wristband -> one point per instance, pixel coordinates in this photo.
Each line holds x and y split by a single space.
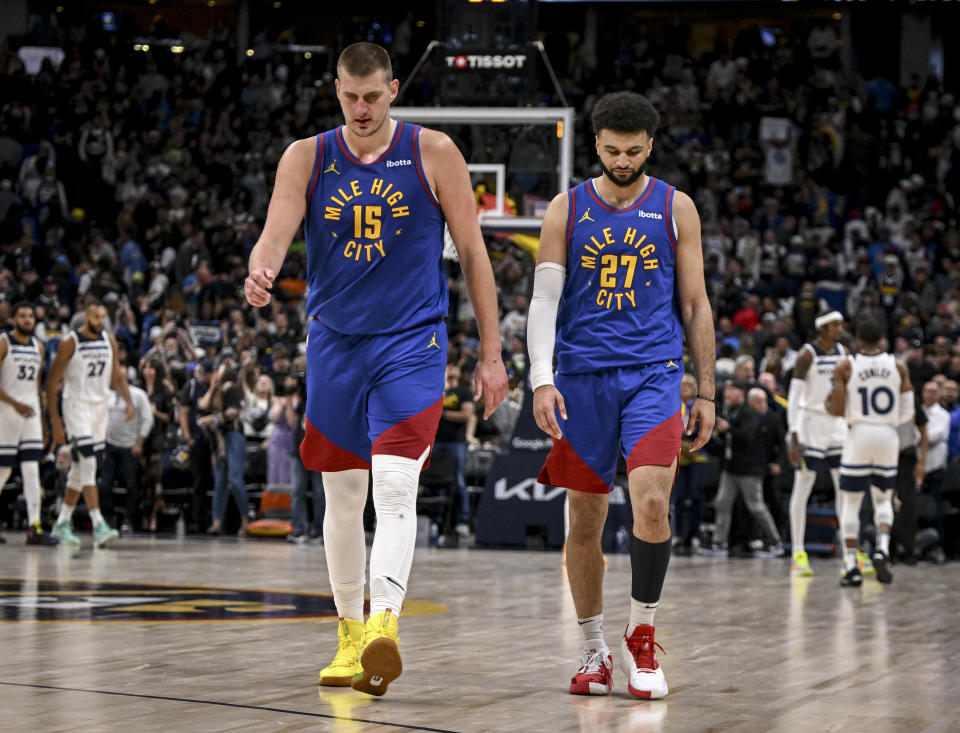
541 373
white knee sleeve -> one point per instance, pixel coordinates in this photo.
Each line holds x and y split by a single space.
395 482
803 481
882 506
75 474
849 514
30 471
835 477
88 470
344 543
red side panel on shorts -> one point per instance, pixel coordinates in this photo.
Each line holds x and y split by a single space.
660 446
318 453
565 468
410 438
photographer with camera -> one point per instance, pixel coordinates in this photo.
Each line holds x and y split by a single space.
224 426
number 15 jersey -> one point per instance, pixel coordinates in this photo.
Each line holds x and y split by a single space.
620 306
374 237
90 370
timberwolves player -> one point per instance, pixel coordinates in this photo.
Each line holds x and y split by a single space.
374 194
21 431
872 391
620 259
87 363
815 437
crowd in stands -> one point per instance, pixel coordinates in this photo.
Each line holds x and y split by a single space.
142 179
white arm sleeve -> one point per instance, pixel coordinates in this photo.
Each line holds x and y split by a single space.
542 322
798 388
908 407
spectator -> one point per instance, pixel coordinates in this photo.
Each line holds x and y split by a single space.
258 425
687 495
938 435
451 440
281 437
744 468
125 443
514 323
304 482
771 438
162 437
224 403
197 439
950 401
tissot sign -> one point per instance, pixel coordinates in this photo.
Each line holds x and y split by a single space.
487 61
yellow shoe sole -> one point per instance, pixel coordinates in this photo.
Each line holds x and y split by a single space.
331 681
381 666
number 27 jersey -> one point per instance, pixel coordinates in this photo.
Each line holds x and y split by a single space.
90 370
620 306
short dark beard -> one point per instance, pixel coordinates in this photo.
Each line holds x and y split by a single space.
624 183
25 334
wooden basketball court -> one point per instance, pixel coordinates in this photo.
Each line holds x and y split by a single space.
178 635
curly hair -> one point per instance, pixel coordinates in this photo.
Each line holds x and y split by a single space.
625 112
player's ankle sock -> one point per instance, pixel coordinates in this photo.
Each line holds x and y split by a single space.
883 542
592 630
66 512
96 518
849 558
641 614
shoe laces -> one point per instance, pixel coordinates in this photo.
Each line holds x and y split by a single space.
347 652
642 649
594 661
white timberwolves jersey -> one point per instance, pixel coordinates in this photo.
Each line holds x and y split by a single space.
89 371
819 377
873 390
21 371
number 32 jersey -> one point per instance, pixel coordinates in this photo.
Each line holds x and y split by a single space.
20 371
90 370
620 305
873 390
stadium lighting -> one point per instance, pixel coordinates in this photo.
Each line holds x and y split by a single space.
176 49
250 52
308 55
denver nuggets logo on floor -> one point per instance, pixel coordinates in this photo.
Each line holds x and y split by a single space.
78 601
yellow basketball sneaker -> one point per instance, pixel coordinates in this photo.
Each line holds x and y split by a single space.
380 661
801 565
346 662
865 564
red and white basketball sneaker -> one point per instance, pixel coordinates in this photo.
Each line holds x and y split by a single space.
595 676
638 660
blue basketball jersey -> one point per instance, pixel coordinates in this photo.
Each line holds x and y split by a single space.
374 237
620 305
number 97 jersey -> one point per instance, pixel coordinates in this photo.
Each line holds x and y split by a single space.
90 370
873 390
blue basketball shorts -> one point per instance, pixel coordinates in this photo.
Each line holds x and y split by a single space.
635 410
372 394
